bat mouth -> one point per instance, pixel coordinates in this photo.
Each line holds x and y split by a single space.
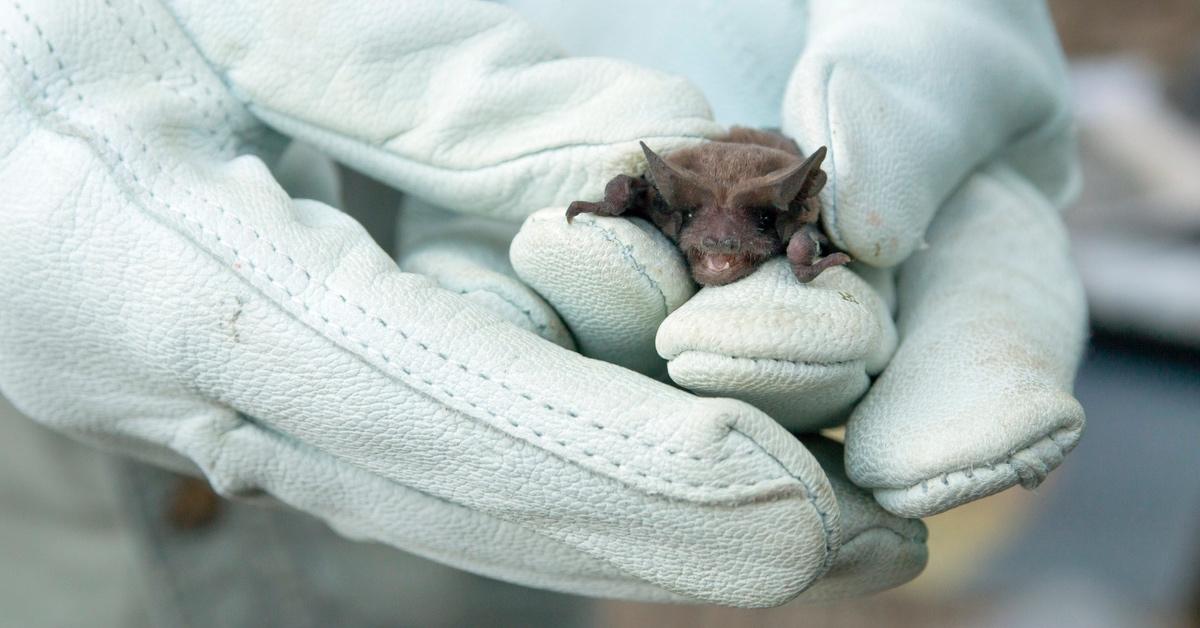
718 263
716 269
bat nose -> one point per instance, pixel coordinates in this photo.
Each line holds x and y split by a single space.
722 245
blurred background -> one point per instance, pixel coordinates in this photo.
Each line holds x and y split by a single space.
1111 539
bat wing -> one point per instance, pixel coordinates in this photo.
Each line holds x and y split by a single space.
623 196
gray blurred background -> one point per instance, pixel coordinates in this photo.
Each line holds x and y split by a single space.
1111 539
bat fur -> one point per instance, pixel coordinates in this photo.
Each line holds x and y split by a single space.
729 204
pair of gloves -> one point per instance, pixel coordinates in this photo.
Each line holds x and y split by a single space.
164 296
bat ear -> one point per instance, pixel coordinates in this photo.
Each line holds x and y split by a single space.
801 181
669 182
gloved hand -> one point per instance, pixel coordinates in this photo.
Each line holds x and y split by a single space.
164 297
950 149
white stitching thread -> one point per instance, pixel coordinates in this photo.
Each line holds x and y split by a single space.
626 251
342 330
211 127
737 358
543 328
810 495
969 472
365 346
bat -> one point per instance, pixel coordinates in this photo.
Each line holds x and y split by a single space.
729 205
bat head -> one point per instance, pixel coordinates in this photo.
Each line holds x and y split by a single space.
733 206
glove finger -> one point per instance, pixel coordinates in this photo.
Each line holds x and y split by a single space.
293 324
305 172
910 97
468 256
802 353
879 550
168 293
464 255
613 281
461 103
349 497
977 397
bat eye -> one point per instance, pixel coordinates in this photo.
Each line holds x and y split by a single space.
688 213
765 217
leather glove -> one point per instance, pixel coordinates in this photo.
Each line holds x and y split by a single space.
166 298
949 349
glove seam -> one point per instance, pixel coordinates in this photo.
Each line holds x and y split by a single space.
626 251
292 295
1055 438
223 77
247 421
173 55
827 532
831 364
629 436
542 328
387 359
917 539
380 146
121 162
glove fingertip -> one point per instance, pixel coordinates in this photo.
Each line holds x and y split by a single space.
877 202
612 280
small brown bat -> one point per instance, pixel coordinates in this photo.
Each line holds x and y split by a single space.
730 204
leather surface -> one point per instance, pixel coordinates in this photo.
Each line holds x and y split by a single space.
166 298
468 255
803 353
911 97
992 326
951 148
613 280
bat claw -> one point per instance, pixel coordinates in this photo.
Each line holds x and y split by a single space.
836 259
576 208
807 272
603 208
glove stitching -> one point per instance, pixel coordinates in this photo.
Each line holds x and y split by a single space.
121 161
524 395
120 157
210 126
284 440
828 532
833 364
25 60
626 251
377 145
387 359
215 96
50 112
543 328
917 539
369 145
969 472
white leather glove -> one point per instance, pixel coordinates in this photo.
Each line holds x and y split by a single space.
950 149
164 297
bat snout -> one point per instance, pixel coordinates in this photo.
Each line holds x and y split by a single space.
727 244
